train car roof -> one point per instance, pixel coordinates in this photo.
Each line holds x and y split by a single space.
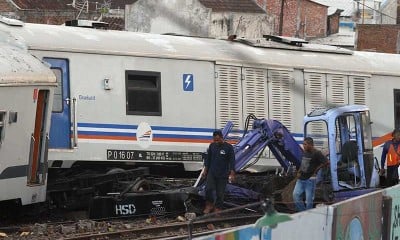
94 41
334 111
330 114
18 67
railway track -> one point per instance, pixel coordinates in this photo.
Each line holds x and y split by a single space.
161 227
173 231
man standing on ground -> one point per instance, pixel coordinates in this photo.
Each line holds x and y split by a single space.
218 168
311 162
391 154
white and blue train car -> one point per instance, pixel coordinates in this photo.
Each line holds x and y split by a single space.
135 97
26 88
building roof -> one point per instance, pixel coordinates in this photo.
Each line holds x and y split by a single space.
333 11
115 23
65 4
42 4
347 6
342 39
319 2
232 6
115 4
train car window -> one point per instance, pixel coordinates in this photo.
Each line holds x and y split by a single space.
58 91
143 93
396 95
2 125
318 130
366 130
338 136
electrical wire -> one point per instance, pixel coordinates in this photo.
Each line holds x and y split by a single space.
373 9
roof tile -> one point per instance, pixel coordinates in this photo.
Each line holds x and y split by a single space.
348 6
114 23
232 6
65 4
43 4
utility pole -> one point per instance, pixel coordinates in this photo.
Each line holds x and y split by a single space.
363 12
281 18
298 20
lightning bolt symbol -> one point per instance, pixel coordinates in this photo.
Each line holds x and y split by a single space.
187 80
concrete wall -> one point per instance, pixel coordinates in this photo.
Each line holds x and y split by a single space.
378 38
187 17
248 25
370 216
391 226
313 224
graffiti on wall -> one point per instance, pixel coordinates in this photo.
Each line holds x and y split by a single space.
247 232
394 224
358 218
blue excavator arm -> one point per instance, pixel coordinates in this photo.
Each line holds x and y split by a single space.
266 133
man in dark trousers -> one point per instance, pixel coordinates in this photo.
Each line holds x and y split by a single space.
311 162
218 169
391 155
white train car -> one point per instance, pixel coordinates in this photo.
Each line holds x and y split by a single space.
26 88
136 97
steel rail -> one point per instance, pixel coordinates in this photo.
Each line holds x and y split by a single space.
160 230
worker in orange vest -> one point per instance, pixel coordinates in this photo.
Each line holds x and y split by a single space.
391 155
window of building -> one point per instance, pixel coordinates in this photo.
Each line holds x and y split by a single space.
143 93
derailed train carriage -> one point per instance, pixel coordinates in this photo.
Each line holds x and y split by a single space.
26 96
126 97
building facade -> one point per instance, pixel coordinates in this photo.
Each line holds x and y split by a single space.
299 18
204 18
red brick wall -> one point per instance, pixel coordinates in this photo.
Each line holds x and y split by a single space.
5 6
313 18
273 8
378 38
289 18
333 24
